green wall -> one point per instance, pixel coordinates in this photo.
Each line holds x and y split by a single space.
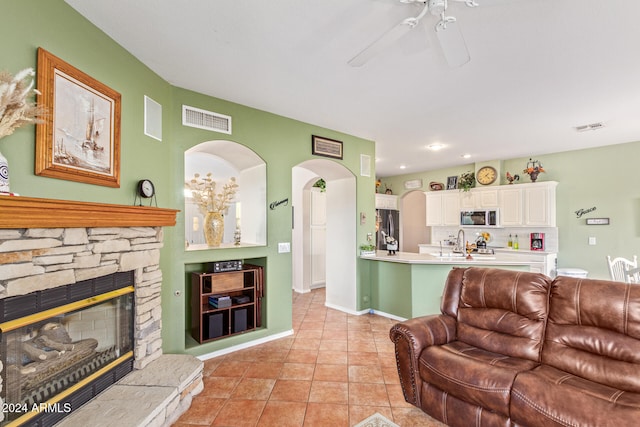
281 142
602 177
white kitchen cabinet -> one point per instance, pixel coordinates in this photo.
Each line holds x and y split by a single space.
434 208
443 208
549 263
479 198
528 205
540 205
386 201
511 206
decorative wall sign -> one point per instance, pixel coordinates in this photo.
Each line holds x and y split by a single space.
81 140
581 212
283 202
326 147
413 184
597 221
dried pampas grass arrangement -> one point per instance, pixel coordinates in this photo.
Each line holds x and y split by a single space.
16 108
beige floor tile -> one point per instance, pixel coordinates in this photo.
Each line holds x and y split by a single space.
337 369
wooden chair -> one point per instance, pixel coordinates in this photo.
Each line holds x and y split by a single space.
623 270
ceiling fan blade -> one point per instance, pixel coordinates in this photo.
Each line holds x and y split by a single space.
453 45
380 44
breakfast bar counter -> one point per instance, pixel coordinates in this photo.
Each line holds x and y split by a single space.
407 285
454 258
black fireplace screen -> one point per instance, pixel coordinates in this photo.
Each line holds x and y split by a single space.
53 352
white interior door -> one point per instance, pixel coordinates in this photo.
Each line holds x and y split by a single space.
318 240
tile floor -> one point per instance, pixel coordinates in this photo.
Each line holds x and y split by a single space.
336 370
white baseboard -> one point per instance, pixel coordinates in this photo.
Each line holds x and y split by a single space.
245 345
390 316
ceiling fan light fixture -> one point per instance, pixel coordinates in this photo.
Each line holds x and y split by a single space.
453 41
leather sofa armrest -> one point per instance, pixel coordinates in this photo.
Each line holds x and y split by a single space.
411 337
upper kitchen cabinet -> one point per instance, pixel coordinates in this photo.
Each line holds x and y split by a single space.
511 206
479 198
386 201
443 208
528 205
540 204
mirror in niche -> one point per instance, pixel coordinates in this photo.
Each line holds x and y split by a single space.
244 215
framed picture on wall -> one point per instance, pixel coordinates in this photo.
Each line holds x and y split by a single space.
452 183
80 140
326 147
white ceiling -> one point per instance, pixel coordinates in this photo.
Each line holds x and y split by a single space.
538 68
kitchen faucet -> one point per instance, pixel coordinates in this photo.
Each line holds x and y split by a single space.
460 244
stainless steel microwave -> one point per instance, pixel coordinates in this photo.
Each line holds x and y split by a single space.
479 218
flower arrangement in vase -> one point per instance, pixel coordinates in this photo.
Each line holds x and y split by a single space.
16 111
534 168
212 205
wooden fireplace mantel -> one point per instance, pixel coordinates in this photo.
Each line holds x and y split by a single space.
30 212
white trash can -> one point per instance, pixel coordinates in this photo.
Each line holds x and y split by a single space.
572 272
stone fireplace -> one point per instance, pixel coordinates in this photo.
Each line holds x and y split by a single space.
51 247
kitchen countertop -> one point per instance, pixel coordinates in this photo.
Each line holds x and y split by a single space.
478 259
502 249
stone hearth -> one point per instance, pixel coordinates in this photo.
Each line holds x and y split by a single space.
49 243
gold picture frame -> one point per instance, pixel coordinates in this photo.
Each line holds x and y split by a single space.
326 147
80 140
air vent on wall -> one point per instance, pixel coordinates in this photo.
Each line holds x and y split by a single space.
592 126
203 119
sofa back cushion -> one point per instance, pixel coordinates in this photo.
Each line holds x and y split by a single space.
503 311
593 331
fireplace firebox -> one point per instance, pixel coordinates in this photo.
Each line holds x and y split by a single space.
60 347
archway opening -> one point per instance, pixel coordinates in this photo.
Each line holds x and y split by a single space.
339 231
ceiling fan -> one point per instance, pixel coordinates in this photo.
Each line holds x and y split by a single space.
448 33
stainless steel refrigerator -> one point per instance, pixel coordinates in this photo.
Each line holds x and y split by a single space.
388 221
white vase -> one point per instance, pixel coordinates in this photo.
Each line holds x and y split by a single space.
4 175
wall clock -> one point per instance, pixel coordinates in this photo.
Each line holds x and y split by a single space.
486 175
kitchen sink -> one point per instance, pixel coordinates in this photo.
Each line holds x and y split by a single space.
447 254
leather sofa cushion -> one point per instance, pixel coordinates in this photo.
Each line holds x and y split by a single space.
594 331
472 374
504 311
547 396
455 412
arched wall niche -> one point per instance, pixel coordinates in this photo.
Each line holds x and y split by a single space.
248 211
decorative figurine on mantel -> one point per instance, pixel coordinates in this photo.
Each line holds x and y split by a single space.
534 168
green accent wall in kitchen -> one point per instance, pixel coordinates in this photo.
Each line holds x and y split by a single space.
602 177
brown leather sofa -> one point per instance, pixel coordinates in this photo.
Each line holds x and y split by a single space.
521 349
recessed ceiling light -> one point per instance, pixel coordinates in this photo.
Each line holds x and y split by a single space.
466 156
435 147
403 167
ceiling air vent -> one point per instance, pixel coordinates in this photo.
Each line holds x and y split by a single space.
592 126
203 119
